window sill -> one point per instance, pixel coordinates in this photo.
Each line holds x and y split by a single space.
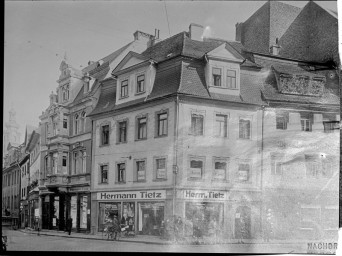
195 179
246 139
220 180
160 136
159 180
196 135
123 97
103 183
139 93
140 139
123 142
225 88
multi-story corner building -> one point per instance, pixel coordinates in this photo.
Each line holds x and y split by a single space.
301 116
32 193
180 134
11 182
66 139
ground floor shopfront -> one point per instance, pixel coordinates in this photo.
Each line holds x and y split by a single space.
143 211
236 214
59 205
33 208
24 213
296 213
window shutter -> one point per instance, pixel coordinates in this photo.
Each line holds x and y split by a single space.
116 173
135 172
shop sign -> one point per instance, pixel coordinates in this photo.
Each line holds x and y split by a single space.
141 195
212 195
79 189
36 212
196 172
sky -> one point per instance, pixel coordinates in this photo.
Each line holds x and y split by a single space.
39 33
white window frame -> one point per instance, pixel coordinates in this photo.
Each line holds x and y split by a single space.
246 118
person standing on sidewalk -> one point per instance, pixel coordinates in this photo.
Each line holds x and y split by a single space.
69 225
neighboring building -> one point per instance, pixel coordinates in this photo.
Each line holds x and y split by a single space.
182 138
307 34
11 182
11 133
33 149
66 139
300 118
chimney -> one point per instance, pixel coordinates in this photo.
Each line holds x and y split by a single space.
53 98
275 49
196 32
143 37
239 32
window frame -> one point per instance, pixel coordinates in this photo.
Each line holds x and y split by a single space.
197 159
102 144
303 124
118 135
101 170
226 173
285 120
226 118
157 123
138 127
137 91
135 168
213 77
155 168
249 174
249 137
193 129
76 124
117 181
231 77
126 90
276 162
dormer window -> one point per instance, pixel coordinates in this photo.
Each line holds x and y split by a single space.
140 83
231 79
124 89
217 77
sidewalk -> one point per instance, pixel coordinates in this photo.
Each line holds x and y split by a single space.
137 239
149 239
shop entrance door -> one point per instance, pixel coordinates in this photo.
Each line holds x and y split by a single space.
150 218
46 215
243 222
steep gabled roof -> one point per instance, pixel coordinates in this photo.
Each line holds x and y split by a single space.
107 97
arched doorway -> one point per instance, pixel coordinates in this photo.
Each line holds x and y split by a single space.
243 222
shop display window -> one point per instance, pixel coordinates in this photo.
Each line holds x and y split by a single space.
150 217
83 211
55 220
107 213
128 217
198 215
73 211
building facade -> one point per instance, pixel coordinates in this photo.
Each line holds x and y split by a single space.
182 139
66 140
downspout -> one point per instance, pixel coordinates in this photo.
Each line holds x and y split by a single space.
175 160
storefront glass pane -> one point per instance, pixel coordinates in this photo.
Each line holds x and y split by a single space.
55 220
83 211
198 216
150 216
73 210
128 217
107 212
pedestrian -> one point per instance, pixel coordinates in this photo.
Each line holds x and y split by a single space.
116 227
69 225
212 230
243 230
179 228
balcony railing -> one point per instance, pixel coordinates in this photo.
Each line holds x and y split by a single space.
66 179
